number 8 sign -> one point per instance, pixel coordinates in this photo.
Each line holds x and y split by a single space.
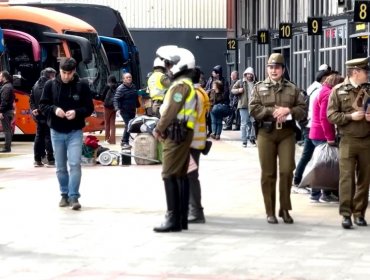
314 26
361 11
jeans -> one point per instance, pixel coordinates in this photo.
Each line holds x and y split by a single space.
43 142
216 123
246 125
6 123
127 117
306 156
68 148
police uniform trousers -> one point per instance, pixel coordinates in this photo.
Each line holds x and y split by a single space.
276 148
354 162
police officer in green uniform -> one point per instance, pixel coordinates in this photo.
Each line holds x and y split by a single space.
175 128
346 109
275 104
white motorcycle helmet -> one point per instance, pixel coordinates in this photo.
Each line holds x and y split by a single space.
158 62
168 54
186 62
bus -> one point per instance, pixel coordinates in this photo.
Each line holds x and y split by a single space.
43 38
123 55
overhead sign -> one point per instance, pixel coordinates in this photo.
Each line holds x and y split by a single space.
314 25
263 37
285 31
231 44
361 11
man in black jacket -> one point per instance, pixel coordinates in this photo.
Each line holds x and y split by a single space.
6 109
42 138
66 101
126 100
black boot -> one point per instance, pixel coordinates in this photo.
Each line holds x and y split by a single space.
183 183
172 220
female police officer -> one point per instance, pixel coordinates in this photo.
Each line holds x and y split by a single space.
275 104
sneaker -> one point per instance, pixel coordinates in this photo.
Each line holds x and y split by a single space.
314 199
50 163
329 198
244 144
126 146
253 142
64 201
38 163
300 190
217 137
75 205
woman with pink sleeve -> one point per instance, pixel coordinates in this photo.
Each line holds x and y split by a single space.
322 130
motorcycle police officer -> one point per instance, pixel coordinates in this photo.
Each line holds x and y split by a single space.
175 128
159 81
275 104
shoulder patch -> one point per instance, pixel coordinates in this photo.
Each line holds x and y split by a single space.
177 97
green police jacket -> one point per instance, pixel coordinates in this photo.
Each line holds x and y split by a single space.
266 96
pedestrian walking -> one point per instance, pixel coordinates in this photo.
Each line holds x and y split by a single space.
347 112
7 98
66 101
243 90
109 111
178 116
308 147
126 100
276 103
321 130
42 144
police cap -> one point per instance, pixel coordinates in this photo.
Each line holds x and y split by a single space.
276 58
359 63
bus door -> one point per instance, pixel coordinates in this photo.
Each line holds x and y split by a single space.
24 57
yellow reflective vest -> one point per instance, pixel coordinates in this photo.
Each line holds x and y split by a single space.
156 88
200 128
188 112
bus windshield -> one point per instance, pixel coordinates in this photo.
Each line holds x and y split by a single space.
95 71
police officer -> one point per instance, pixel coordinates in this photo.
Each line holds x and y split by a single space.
275 104
158 83
178 115
346 110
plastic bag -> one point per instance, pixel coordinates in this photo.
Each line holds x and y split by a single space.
135 124
323 169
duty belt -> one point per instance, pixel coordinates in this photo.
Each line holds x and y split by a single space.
269 126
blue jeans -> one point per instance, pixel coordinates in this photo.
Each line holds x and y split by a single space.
68 148
127 117
218 112
246 125
306 156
